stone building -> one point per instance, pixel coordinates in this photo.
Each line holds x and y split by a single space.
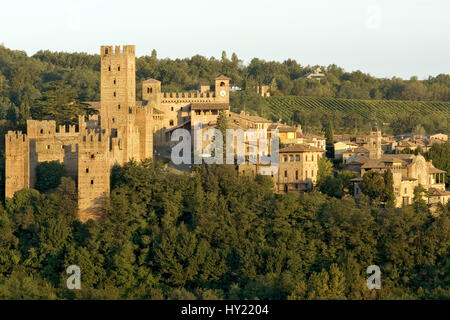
298 168
122 129
408 170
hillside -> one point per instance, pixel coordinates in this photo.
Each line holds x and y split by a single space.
387 111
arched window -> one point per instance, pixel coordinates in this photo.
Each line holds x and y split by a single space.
222 84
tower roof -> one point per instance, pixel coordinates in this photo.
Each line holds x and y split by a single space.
151 80
222 77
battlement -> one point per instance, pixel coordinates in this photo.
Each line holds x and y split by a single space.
15 137
69 130
117 50
195 96
41 128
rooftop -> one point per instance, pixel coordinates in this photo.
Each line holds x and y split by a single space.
300 148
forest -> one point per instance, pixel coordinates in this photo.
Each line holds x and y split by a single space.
213 235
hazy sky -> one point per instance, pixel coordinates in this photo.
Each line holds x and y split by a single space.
384 38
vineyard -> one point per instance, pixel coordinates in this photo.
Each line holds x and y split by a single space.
385 110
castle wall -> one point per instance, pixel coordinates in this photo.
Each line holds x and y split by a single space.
94 167
46 144
16 162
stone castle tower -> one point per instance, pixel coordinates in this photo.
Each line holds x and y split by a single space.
374 146
121 131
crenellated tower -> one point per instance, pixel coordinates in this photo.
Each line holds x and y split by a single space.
117 85
17 168
94 167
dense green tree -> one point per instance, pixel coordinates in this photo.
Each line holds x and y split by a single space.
389 196
373 186
48 175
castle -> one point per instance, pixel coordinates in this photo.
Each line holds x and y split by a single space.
122 129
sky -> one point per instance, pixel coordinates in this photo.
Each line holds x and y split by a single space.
385 38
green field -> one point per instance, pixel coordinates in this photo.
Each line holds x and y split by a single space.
385 110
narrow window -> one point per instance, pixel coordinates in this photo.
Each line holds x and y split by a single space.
92 181
118 106
171 108
114 93
114 81
148 90
106 50
285 173
92 156
296 174
42 131
171 122
285 158
118 68
87 170
297 158
291 158
109 68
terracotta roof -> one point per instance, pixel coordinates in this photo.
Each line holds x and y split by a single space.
282 127
210 106
222 77
151 80
313 135
438 192
300 148
433 169
357 150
